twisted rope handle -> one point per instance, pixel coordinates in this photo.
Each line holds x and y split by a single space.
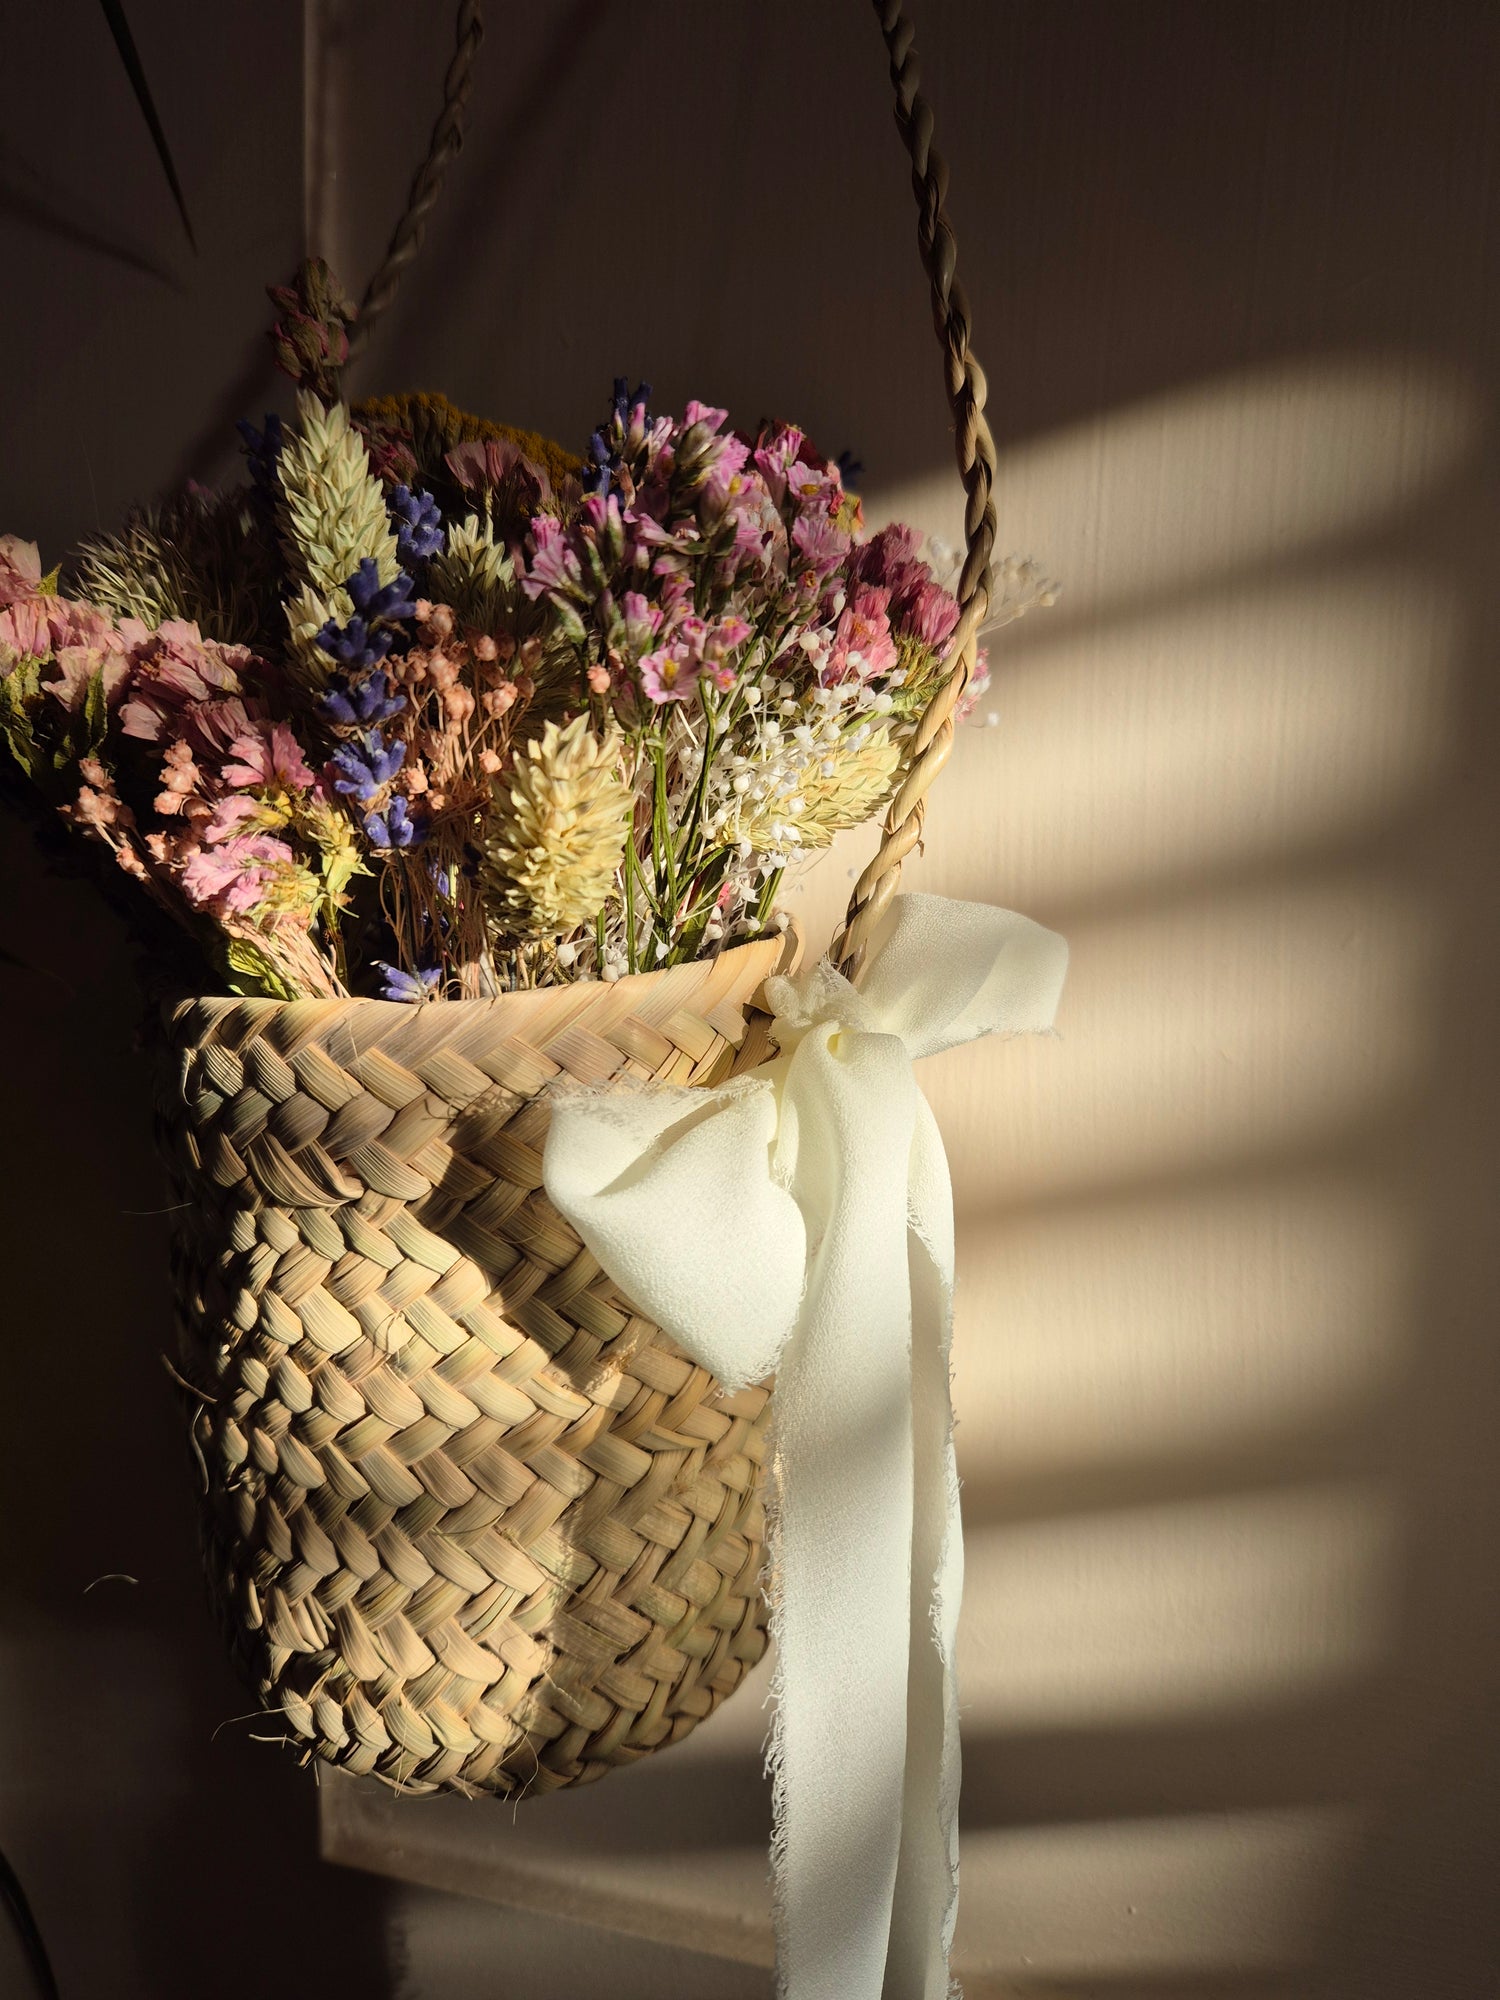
446 141
975 450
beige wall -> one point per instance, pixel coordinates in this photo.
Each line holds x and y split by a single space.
1227 1369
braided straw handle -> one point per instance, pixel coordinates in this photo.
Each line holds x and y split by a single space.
975 450
427 183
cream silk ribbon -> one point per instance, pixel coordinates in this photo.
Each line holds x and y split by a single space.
800 1220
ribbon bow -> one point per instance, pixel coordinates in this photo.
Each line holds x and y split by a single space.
800 1219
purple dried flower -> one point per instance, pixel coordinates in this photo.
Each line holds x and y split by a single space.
630 404
262 449
419 534
374 600
363 768
354 645
357 703
624 430
413 987
394 827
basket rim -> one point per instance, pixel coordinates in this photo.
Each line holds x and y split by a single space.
778 952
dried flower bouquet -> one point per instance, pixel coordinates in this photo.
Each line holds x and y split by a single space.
430 708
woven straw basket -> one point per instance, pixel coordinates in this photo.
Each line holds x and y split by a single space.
470 1521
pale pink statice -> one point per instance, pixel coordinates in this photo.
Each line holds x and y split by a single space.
268 758
235 877
726 636
487 462
863 648
237 814
600 519
822 546
930 614
920 607
177 670
813 488
726 471
20 570
106 653
759 531
25 632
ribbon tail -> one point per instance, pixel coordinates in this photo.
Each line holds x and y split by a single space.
840 1557
925 1908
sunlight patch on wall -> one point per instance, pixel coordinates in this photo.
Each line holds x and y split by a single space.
1259 467
1237 1032
1268 719
1245 1322
1202 1607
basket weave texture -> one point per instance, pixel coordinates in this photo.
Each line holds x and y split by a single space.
470 1521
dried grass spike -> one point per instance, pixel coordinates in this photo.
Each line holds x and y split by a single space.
556 837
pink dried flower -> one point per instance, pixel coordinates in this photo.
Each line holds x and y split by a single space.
669 674
177 669
727 459
229 817
885 554
703 413
25 631
727 634
20 569
930 614
920 608
821 544
813 488
642 621
269 759
487 462
776 454
759 531
862 644
96 809
76 667
554 566
599 679
232 879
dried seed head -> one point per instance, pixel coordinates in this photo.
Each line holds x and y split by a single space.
556 835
